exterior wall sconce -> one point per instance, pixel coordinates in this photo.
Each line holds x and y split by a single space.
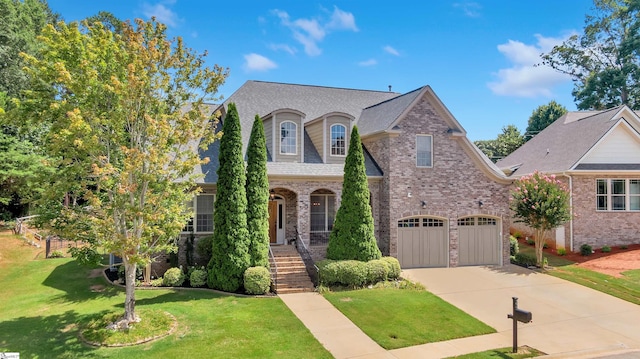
272 195
480 204
424 204
409 194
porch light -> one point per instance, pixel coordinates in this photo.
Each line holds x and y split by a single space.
480 204
272 195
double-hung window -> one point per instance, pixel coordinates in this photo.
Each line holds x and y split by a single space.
338 140
618 194
424 151
322 212
202 220
288 141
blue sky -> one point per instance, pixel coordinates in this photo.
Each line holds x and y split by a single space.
478 56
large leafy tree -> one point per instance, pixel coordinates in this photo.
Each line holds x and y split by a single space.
542 117
353 235
604 61
21 21
258 196
506 142
230 253
125 114
542 203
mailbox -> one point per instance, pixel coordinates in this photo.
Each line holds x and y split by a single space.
520 315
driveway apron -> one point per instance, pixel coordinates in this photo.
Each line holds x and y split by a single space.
567 317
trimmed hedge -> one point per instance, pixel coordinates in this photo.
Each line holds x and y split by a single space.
257 280
524 259
394 267
173 277
355 274
198 277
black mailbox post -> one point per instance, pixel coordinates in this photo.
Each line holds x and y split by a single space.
518 315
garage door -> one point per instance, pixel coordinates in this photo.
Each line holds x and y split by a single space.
478 241
422 242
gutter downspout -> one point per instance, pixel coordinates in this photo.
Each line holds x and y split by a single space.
570 210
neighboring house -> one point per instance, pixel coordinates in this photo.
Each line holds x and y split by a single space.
437 201
597 154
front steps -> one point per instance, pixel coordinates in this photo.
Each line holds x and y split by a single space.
292 275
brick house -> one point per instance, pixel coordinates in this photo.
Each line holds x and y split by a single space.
437 201
597 154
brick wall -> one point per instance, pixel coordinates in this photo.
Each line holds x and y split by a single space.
599 228
452 188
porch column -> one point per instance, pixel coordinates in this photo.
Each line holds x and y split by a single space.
304 215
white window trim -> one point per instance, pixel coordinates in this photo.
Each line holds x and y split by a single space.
295 135
346 146
417 165
194 218
627 195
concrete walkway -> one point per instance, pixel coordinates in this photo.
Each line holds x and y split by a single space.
569 320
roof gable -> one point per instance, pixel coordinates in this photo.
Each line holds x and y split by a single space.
620 145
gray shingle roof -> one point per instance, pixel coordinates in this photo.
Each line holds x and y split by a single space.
380 116
559 147
261 98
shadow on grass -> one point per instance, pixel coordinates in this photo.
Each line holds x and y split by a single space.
73 279
53 336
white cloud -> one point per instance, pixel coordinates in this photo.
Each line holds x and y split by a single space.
527 77
310 32
342 20
370 62
283 47
470 8
391 50
162 13
255 62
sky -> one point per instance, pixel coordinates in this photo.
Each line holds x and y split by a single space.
478 56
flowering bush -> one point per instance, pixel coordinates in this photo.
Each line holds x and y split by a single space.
542 203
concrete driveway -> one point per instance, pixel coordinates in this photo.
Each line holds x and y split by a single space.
569 320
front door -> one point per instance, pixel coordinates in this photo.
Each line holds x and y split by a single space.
276 221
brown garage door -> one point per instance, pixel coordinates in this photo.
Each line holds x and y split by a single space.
422 242
478 241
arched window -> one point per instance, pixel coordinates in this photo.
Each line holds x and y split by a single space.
338 140
288 140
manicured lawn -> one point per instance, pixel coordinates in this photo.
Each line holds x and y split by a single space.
626 287
523 352
398 318
43 301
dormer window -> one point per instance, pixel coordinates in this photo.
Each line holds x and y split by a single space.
288 141
338 140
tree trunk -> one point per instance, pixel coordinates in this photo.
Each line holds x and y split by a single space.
130 298
539 240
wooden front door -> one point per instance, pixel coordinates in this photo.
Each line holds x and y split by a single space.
273 221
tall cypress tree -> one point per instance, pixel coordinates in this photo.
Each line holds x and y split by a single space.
258 196
353 235
230 253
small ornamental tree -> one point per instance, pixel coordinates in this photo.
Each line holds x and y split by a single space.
258 196
230 252
353 236
542 203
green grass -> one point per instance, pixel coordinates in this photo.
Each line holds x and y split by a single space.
44 302
397 318
554 261
626 287
506 353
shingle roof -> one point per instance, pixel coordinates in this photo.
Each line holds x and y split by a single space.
380 116
261 98
559 147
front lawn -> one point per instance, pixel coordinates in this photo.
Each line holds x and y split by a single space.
45 300
503 353
398 318
626 287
